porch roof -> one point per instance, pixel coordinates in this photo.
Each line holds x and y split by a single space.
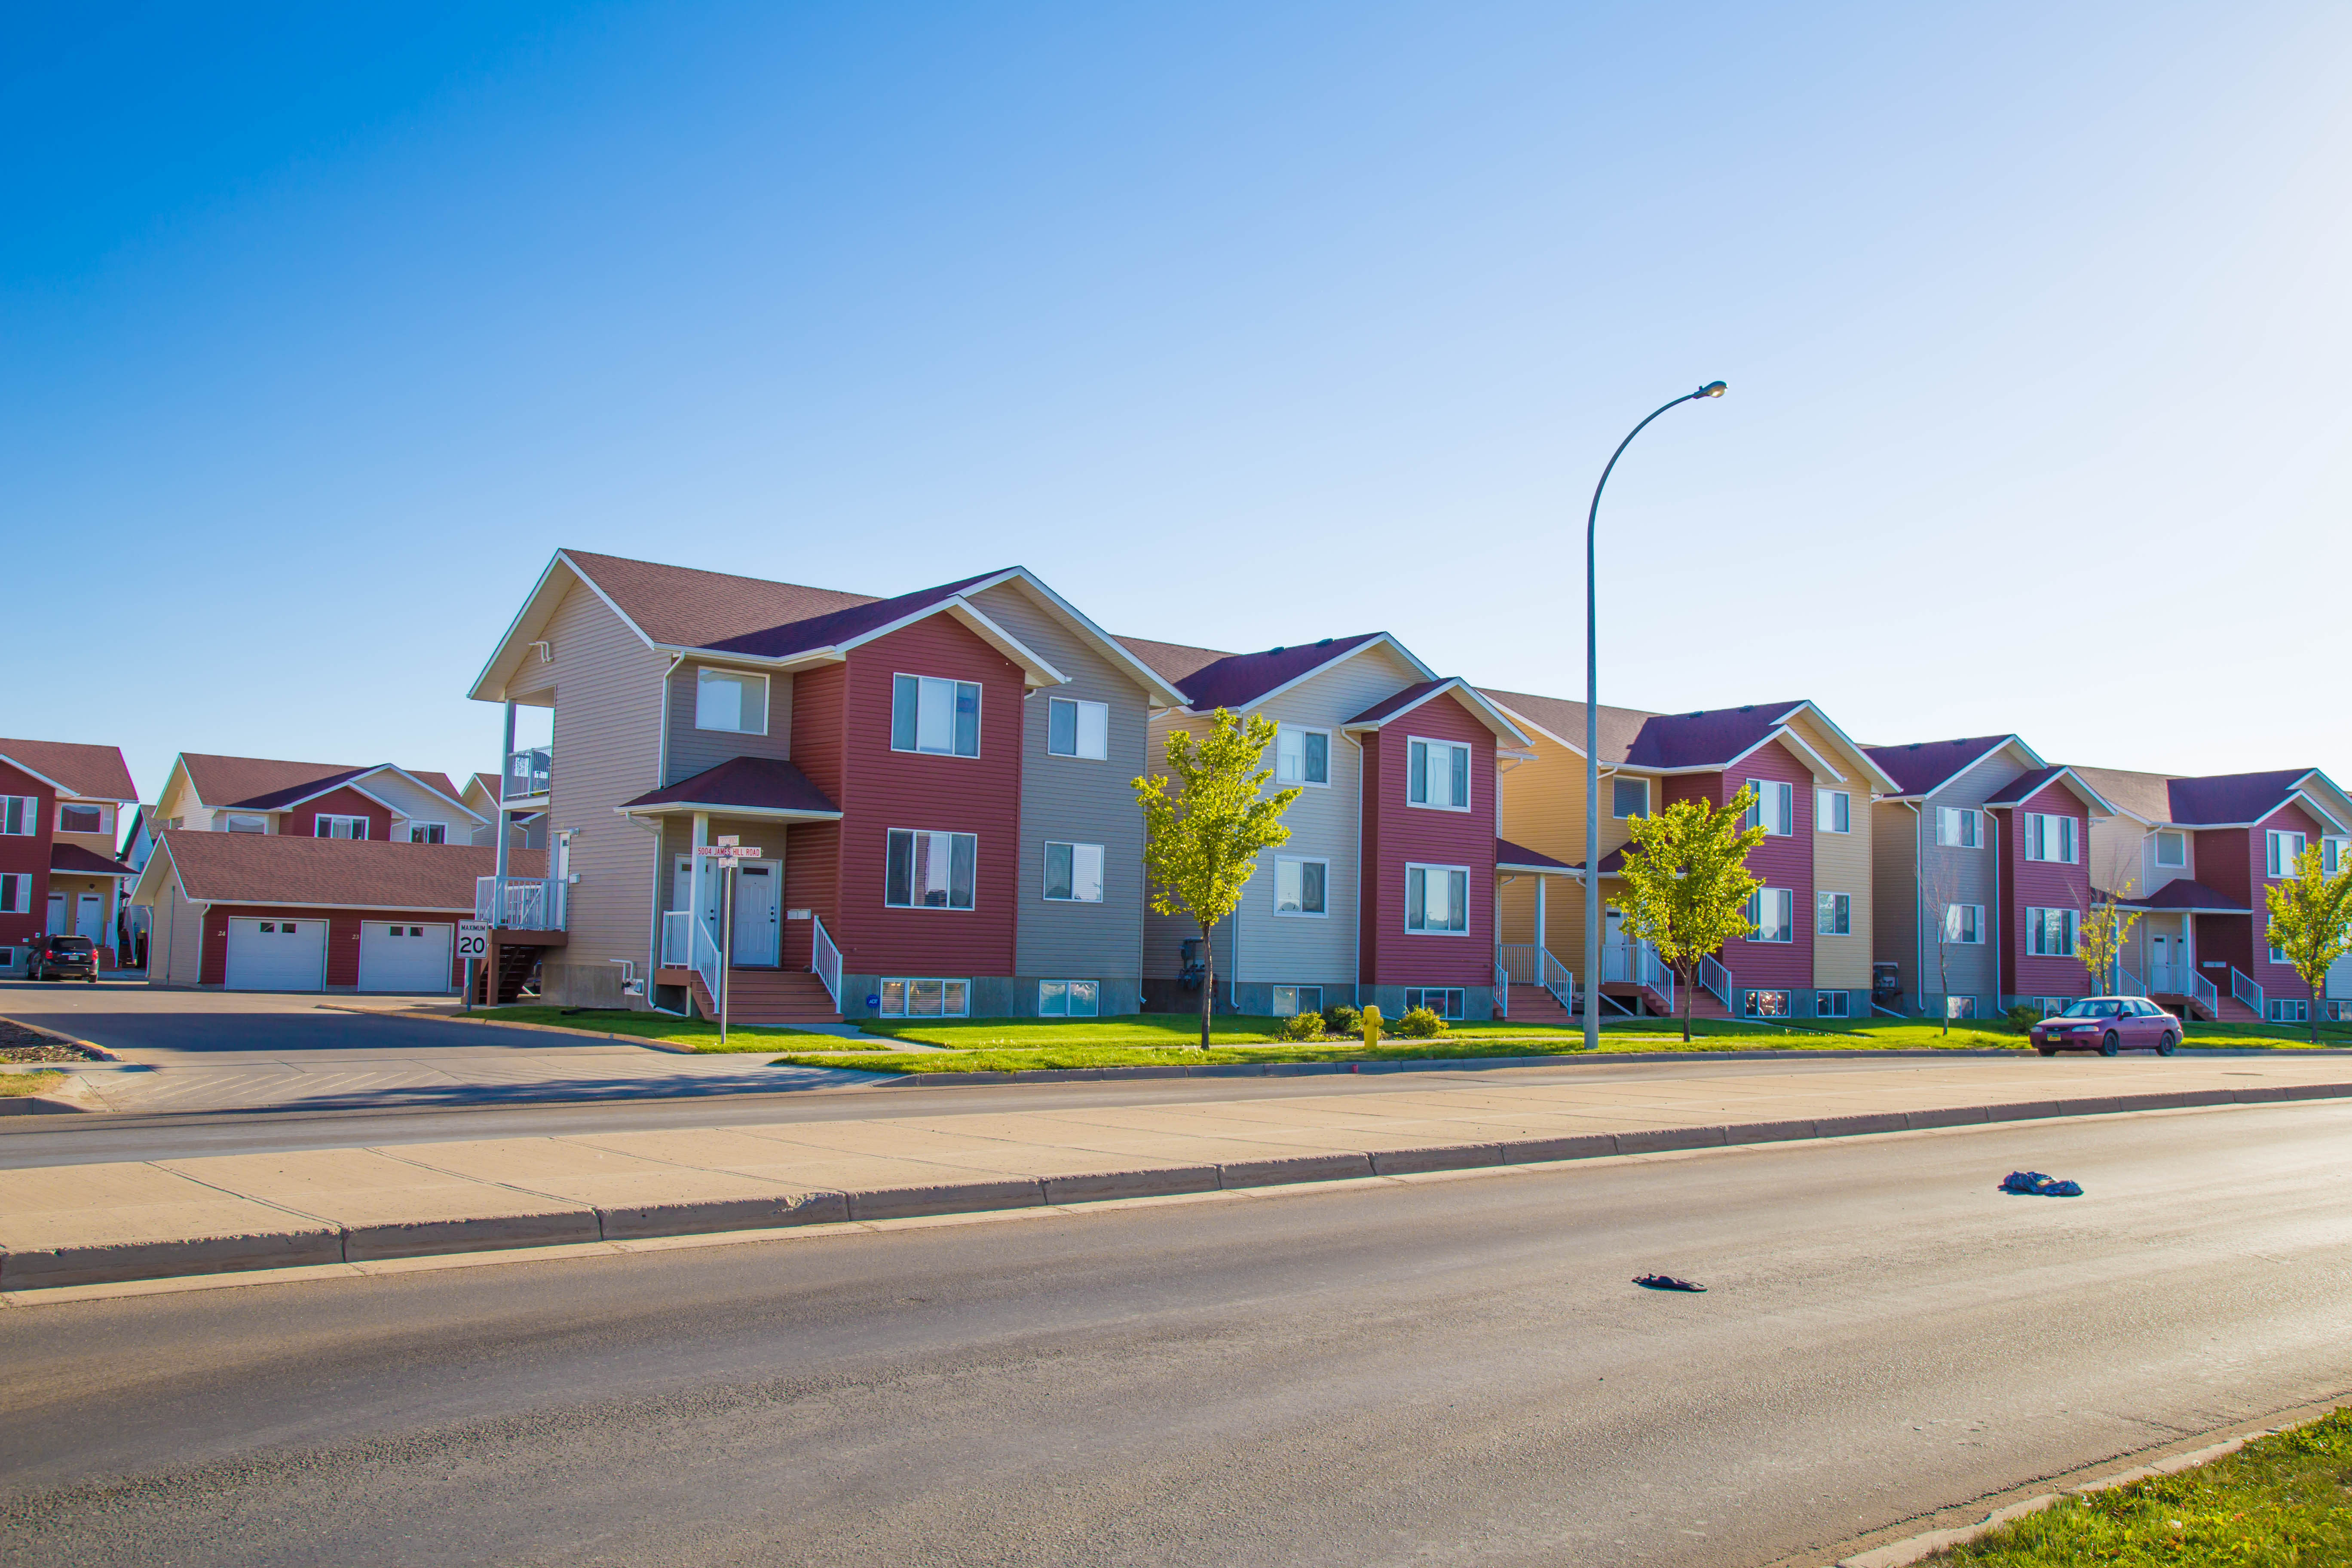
1510 856
741 786
73 860
2183 897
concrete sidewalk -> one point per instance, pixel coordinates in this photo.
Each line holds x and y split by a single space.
69 1225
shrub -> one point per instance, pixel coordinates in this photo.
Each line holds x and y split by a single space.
1340 1020
1421 1024
1305 1027
2023 1016
1368 1023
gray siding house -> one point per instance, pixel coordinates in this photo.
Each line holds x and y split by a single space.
1937 871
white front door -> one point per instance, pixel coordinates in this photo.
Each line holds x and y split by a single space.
2159 963
90 917
1616 949
57 926
759 904
277 955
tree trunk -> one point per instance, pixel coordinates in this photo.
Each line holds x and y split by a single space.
2316 987
1690 995
1943 984
1208 982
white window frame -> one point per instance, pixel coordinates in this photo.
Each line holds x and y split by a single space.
1841 914
25 811
1617 784
950 907
1289 771
931 683
1429 748
429 827
1426 930
105 815
1065 994
905 983
1454 1000
2037 932
2279 863
1296 1001
1828 805
1784 794
1959 827
705 676
2289 1010
2037 828
1080 710
1833 1005
2179 838
1751 1006
16 892
1787 899
2332 851
1045 869
261 820
1958 1006
1971 932
1302 913
325 817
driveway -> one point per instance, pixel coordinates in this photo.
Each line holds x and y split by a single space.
208 1051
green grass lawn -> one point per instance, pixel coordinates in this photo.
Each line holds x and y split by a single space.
694 1032
2278 1502
16 1084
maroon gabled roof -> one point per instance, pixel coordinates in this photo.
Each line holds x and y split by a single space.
764 784
93 772
2025 786
345 873
1237 679
2181 894
843 624
1710 737
1925 767
76 861
276 799
1397 702
2232 797
1507 854
1611 863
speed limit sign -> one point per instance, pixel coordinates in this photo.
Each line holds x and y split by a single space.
473 939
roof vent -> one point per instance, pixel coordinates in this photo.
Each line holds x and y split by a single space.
1324 643
1272 650
1913 746
1747 708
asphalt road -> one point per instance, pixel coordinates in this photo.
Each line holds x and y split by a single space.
1454 1372
131 1015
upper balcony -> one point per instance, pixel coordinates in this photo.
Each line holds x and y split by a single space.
525 782
522 903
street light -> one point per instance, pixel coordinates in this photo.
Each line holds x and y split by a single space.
1592 734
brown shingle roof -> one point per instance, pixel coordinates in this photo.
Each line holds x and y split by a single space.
220 780
688 608
94 772
266 869
1620 727
1171 661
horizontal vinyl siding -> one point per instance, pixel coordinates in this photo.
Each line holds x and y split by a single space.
1895 898
693 751
1408 835
1841 864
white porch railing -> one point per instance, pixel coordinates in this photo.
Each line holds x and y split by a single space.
527 773
677 939
1714 977
2127 982
522 903
1529 964
1657 976
1501 989
1519 962
824 959
2244 988
1559 980
705 960
2206 993
1617 963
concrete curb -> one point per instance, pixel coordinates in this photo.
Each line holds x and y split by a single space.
102 1053
308 1241
1900 1554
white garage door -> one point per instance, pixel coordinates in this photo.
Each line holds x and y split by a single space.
277 955
400 956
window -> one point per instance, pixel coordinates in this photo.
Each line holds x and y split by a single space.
1959 827
1774 808
1289 1001
1831 1004
1445 1001
323 826
81 820
1960 1007
20 814
1298 885
241 822
1773 913
929 870
2050 934
1074 873
1833 914
428 833
1068 999
1964 923
909 998
15 893
2331 855
1302 756
2049 838
1833 811
1438 774
1764 1003
2284 850
2171 848
729 699
1074 729
1629 797
1437 900
2290 1010
283 927
940 717
2278 953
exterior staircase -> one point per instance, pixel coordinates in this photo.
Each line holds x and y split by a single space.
1534 1005
784 997
1704 1004
2231 1011
498 984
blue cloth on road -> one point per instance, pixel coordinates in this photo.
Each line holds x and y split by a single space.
2035 1184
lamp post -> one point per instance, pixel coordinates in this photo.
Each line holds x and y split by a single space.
1592 732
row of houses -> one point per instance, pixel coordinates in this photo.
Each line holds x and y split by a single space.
938 788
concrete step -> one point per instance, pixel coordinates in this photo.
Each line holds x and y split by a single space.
1534 1005
770 997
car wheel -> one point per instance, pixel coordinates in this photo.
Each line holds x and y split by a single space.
2164 1047
2109 1044
2047 1051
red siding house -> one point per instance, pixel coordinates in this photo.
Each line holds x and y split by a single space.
2041 832
59 805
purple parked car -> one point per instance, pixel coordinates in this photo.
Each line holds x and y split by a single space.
2107 1024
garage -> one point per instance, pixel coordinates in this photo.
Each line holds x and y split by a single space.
402 955
277 955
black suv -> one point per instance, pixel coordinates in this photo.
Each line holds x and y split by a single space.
62 958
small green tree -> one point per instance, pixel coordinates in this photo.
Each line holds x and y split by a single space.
1202 837
2311 922
2099 940
1687 884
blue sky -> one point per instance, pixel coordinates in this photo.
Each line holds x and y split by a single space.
322 328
